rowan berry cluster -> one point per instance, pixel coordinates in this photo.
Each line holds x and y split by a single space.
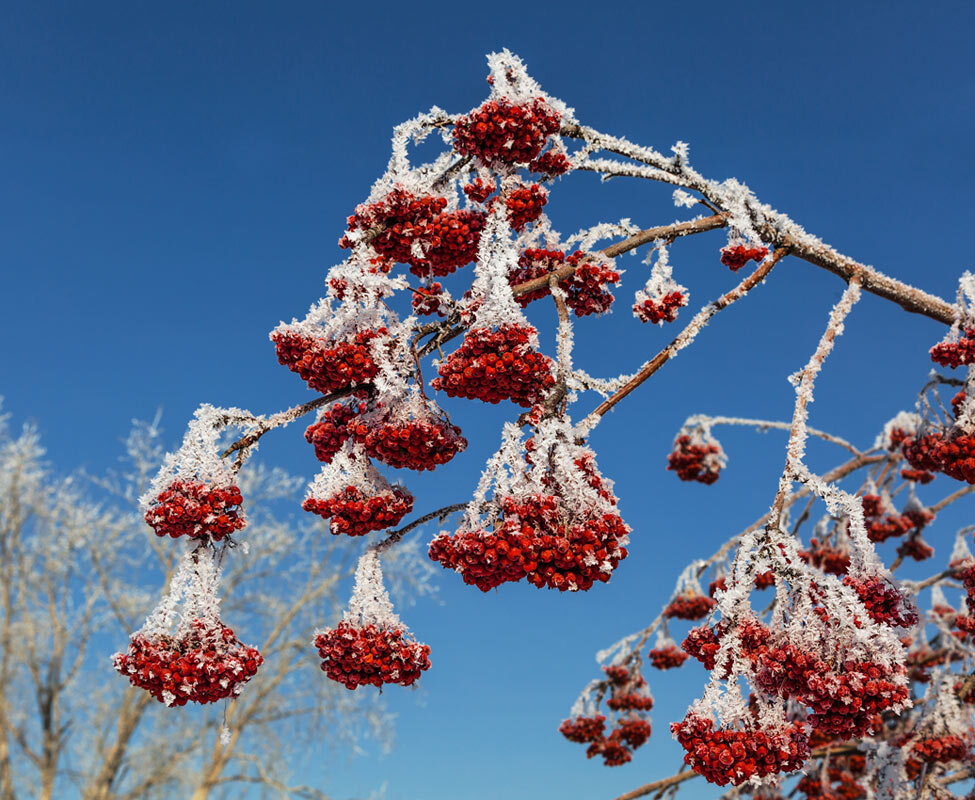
935 750
689 606
585 288
328 366
196 510
419 442
371 656
449 242
331 431
504 132
551 164
540 540
524 205
695 461
479 190
668 657
881 524
496 365
206 665
428 300
736 256
725 756
885 603
951 452
957 353
355 513
662 310
703 642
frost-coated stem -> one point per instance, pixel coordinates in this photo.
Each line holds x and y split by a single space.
690 332
764 424
804 382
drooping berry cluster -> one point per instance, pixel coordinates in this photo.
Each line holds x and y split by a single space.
689 606
703 643
736 256
585 288
952 453
725 756
196 510
540 541
506 132
695 461
551 163
206 665
428 300
448 242
496 365
417 442
328 366
957 353
662 310
935 750
331 431
882 523
354 513
884 602
479 190
395 222
524 205
371 655
668 657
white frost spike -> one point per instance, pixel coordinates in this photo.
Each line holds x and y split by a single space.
192 595
905 421
496 259
370 603
661 282
510 80
198 458
350 467
961 551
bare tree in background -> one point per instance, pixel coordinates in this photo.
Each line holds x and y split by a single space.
71 570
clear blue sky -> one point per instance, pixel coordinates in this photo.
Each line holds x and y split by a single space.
175 177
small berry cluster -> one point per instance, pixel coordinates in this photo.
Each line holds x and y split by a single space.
328 366
952 453
691 606
667 657
703 643
882 525
418 443
395 222
535 541
585 288
551 164
206 665
354 513
695 462
725 756
479 190
197 510
331 431
496 365
955 354
662 310
736 256
371 655
506 132
935 750
524 205
427 301
628 689
884 602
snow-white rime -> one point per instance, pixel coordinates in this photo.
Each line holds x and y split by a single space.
198 458
698 430
370 603
661 282
961 551
511 81
906 421
350 467
192 595
497 257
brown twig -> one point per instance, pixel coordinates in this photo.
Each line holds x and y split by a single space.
441 514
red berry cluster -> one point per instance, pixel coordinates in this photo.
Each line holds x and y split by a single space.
535 541
736 256
831 560
417 443
496 365
628 689
448 242
585 289
845 703
915 547
765 580
881 525
551 164
965 623
524 205
479 190
953 454
533 263
839 784
885 603
583 729
917 476
197 510
328 366
396 221
355 514
688 461
935 750
689 606
506 132
372 656
955 354
206 665
616 749
703 642
662 310
426 301
667 657
725 756
331 431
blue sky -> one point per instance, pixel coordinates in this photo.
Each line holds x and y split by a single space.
176 176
